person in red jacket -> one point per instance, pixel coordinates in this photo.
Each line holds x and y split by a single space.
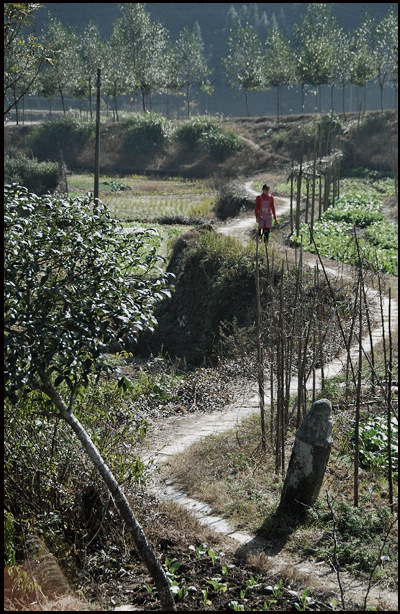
264 211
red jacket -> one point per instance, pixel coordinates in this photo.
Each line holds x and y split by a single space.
264 210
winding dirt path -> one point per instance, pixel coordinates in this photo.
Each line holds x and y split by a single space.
175 434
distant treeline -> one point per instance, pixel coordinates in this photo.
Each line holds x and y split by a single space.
140 62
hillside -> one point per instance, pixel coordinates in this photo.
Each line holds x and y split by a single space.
265 145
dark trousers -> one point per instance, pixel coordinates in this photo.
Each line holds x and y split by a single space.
264 232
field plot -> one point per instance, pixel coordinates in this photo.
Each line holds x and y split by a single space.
147 199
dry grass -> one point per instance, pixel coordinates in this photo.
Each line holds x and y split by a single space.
39 584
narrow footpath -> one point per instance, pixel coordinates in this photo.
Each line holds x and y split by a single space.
176 433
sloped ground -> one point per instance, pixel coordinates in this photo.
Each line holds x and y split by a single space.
267 145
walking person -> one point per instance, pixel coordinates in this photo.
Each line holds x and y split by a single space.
264 211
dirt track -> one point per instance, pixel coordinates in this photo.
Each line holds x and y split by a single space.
174 434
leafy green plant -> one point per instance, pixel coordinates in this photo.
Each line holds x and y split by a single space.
334 234
355 209
199 550
204 594
212 556
384 234
304 599
218 586
236 606
172 566
250 583
374 444
277 589
116 186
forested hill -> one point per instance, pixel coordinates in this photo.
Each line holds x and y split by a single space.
212 17
214 20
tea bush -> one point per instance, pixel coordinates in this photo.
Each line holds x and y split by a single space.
68 135
204 133
37 177
144 133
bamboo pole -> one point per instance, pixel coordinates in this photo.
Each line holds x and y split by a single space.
389 423
358 402
260 353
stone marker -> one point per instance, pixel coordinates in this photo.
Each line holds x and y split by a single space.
309 459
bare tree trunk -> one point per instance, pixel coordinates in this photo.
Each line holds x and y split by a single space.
145 550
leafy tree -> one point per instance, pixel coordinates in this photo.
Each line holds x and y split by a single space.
114 77
341 61
145 47
190 64
63 51
92 50
385 49
361 68
243 63
74 283
23 53
314 42
279 63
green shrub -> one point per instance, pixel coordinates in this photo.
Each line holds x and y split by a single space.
68 135
37 177
204 133
50 483
145 133
190 132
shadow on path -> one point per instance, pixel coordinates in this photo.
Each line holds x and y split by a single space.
272 535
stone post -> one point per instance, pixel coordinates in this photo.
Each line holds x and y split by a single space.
309 459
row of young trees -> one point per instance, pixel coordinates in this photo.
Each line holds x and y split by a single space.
318 52
139 57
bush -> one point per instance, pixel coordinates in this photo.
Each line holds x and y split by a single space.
323 130
49 482
232 200
204 133
67 135
37 177
144 133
